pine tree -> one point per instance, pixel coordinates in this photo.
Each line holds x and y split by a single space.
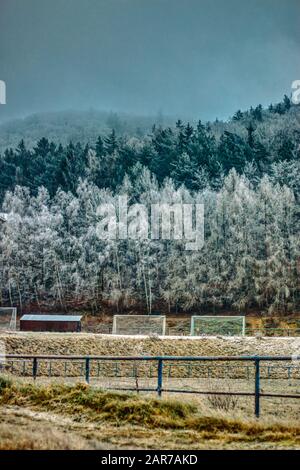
110 143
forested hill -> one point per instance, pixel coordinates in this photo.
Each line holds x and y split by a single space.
63 127
245 172
56 150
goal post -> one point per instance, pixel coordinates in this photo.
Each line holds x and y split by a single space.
139 325
218 325
8 318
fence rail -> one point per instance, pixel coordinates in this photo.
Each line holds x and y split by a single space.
160 362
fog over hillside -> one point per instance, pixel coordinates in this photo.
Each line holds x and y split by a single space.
85 126
76 126
198 59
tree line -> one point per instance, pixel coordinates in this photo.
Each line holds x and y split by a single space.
51 255
253 143
248 180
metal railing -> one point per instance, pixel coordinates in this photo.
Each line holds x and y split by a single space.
160 362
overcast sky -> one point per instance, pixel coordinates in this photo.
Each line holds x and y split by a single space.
191 58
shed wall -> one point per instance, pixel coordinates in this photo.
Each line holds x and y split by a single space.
56 326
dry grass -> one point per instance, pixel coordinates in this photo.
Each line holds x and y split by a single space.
19 432
93 418
77 416
97 344
93 344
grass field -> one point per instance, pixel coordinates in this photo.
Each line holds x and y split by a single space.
59 413
81 417
99 344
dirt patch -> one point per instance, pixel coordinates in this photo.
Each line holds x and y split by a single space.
23 429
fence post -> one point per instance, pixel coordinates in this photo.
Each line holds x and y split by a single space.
87 370
159 377
257 387
34 368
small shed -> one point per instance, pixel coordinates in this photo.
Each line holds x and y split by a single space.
57 323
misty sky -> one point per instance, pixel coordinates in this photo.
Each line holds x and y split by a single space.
189 58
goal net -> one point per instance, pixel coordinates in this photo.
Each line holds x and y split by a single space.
218 325
8 318
139 325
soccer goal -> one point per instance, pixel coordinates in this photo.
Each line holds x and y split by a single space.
218 325
139 325
8 318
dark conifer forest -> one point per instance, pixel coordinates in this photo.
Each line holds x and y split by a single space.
245 171
255 143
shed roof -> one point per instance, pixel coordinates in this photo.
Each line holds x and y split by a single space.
68 318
